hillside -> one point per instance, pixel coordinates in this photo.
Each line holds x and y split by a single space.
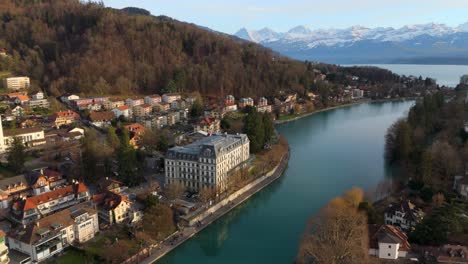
65 45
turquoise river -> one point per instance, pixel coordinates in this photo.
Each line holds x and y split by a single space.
331 152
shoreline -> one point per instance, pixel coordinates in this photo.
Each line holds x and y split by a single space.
157 252
279 122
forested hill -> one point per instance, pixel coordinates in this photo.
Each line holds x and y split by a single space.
65 45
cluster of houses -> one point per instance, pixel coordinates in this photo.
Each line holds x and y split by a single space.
52 212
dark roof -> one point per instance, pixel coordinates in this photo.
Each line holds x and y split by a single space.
387 234
101 116
410 211
20 131
16 180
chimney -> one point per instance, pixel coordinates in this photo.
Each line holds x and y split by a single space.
37 223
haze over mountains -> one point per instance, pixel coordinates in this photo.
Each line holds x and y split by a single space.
424 44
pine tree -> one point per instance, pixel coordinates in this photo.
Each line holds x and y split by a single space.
16 155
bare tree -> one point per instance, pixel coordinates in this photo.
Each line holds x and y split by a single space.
207 194
175 190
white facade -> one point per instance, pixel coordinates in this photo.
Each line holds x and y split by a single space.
28 136
16 83
206 162
169 98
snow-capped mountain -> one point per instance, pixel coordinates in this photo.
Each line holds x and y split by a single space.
359 44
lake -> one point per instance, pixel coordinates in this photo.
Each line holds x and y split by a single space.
448 75
331 152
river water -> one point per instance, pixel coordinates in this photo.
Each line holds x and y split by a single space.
331 152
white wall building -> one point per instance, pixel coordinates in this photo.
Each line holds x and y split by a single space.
16 83
31 137
387 242
207 162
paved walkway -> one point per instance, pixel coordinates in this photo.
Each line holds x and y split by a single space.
180 237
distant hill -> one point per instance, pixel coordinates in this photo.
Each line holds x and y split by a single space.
424 44
72 46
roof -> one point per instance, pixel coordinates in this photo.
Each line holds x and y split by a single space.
108 200
410 211
19 180
21 131
105 184
66 114
123 107
387 234
207 121
144 106
34 201
101 116
135 127
23 97
52 224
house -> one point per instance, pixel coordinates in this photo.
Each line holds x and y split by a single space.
17 83
116 208
63 118
452 254
123 110
461 186
163 107
64 135
262 101
109 184
173 118
357 93
171 97
81 103
13 187
215 113
142 110
37 96
30 209
93 107
28 123
229 100
159 121
209 125
403 214
45 180
67 98
113 103
134 102
152 99
43 103
137 131
387 242
50 235
31 137
4 259
190 100
244 102
18 111
101 119
3 52
21 99
263 108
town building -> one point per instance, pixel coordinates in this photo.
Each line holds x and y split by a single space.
451 254
209 125
13 187
206 162
170 97
50 235
64 118
229 100
244 102
27 210
109 184
262 101
163 107
173 118
18 111
461 186
387 242
4 259
137 131
101 119
264 108
17 83
36 103
31 137
142 110
357 93
37 96
67 98
116 208
123 110
21 99
217 112
403 214
464 79
153 99
134 102
113 103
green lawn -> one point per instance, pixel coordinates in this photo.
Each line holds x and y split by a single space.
74 256
287 117
5 172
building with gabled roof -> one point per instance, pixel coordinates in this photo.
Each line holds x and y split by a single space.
116 208
50 235
27 210
101 119
387 242
403 214
62 118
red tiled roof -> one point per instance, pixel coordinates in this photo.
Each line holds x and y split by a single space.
23 97
123 107
135 127
66 114
101 116
108 200
34 201
377 232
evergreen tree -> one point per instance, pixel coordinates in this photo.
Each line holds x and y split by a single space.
254 129
127 160
112 138
16 155
268 127
197 109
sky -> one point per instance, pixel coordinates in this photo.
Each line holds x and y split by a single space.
282 15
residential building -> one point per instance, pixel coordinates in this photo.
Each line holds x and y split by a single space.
451 254
464 79
357 93
229 100
173 118
142 110
461 186
101 119
46 180
209 125
206 162
92 107
217 112
262 101
13 187
28 123
403 214
64 118
31 137
80 103
137 131
116 208
230 108
134 102
18 111
43 103
64 135
109 184
113 103
184 113
67 98
50 235
3 249
37 96
174 105
244 102
153 99
163 107
21 99
159 121
123 110
170 97
30 209
17 83
387 242
190 100
264 108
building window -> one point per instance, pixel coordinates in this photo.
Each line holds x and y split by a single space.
389 254
389 246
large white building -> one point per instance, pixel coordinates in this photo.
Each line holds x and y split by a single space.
16 83
31 137
206 162
387 242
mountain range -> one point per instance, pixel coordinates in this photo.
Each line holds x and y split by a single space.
421 44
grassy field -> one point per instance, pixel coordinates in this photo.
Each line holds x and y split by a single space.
74 256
